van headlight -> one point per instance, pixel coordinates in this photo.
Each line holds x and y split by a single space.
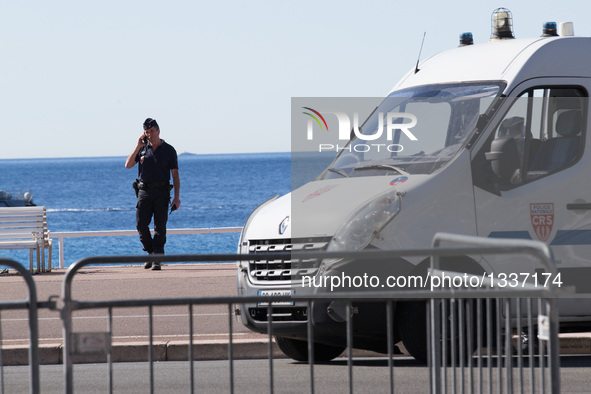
366 223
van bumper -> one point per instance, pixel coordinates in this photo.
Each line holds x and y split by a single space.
328 317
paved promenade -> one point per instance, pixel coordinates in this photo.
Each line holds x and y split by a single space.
171 324
130 325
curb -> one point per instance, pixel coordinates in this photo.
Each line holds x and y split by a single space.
138 352
12 355
575 344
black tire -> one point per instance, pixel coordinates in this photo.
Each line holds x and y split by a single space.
298 350
412 327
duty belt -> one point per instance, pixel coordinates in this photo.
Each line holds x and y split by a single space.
152 185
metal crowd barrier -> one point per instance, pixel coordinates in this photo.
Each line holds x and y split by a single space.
30 304
445 374
505 366
452 368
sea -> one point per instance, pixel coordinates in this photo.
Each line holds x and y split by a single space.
95 193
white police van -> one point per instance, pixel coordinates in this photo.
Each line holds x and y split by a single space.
501 151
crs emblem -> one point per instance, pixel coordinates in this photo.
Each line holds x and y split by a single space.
283 225
542 219
398 181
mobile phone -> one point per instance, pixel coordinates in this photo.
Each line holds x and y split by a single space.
172 209
145 140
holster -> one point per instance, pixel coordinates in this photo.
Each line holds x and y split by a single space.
136 187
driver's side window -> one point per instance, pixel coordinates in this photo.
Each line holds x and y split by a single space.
542 133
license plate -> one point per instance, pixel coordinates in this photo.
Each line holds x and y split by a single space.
275 293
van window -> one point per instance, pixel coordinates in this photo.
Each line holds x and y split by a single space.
415 131
541 133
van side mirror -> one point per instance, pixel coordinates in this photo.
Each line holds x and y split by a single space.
504 158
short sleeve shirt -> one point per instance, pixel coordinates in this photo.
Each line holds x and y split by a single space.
155 165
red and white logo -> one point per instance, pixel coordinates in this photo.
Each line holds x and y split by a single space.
542 219
319 192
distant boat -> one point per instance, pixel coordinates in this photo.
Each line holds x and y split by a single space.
16 199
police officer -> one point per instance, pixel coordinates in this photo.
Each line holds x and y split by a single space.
157 161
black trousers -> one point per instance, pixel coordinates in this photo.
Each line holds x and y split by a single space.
152 203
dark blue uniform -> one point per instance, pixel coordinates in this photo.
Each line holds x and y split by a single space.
154 194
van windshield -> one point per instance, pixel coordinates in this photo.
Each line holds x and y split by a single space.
415 130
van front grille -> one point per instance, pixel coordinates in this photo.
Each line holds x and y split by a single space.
261 269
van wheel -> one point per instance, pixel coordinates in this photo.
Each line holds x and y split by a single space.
298 350
412 326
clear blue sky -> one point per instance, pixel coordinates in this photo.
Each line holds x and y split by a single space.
78 78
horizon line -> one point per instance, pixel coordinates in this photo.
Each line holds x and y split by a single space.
118 156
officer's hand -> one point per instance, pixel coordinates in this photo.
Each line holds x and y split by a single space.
176 203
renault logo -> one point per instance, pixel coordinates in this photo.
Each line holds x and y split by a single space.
283 225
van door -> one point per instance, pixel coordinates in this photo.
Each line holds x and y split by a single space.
531 182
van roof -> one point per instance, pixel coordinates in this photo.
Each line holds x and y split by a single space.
512 61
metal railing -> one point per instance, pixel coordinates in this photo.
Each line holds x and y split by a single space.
451 368
508 303
438 360
117 233
29 304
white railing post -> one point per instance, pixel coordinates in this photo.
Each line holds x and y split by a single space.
61 246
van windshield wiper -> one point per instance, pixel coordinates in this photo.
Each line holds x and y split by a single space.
337 171
382 167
